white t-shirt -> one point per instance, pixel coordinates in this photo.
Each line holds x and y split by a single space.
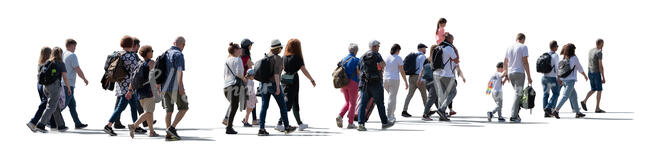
496 79
448 55
392 67
71 62
555 60
578 67
515 56
236 66
419 62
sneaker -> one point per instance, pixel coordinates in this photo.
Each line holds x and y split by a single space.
302 127
515 120
489 116
225 121
351 126
108 130
131 130
387 125
171 138
339 121
426 118
140 130
443 116
600 111
501 119
172 131
279 128
81 126
230 131
119 126
361 128
256 122
62 129
154 134
41 129
580 115
31 126
405 114
584 105
246 124
547 113
290 129
556 114
262 132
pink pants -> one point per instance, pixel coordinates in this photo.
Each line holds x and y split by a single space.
351 93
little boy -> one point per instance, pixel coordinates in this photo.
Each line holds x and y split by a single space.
496 81
252 99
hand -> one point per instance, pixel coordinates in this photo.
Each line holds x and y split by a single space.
69 91
530 81
506 79
313 83
463 79
86 81
586 78
407 85
128 95
277 91
603 80
181 91
559 81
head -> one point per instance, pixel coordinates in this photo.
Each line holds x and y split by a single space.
431 51
276 46
442 22
146 52
521 38
500 67
136 44
422 48
374 45
449 38
553 45
56 54
394 50
293 48
246 46
568 50
180 42
70 44
46 52
250 74
234 50
127 43
600 43
353 48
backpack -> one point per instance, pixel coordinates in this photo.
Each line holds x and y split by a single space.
544 64
263 69
427 72
370 69
410 62
160 67
48 74
528 100
565 68
340 75
105 84
437 62
141 77
117 71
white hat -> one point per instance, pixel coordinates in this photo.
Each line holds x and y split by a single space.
276 44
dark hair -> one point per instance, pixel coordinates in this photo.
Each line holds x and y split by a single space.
395 48
56 54
431 51
568 50
144 50
599 41
521 36
232 48
70 42
293 48
126 42
448 36
440 21
553 44
500 65
136 41
46 52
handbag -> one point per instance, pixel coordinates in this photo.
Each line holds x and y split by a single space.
287 79
238 81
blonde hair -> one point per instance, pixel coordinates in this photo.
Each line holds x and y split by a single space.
56 54
46 52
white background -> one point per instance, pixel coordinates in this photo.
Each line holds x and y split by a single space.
483 31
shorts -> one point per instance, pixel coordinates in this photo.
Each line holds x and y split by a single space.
148 104
595 81
169 100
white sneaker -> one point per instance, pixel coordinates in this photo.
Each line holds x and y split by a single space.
279 128
352 126
302 127
32 127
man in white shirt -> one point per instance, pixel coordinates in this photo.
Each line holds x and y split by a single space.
445 78
516 61
73 69
550 82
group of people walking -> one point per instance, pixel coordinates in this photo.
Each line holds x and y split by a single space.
141 83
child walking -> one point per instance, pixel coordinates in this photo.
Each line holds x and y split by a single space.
494 88
252 99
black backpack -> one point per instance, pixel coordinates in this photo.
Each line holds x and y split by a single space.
437 57
369 68
117 70
141 77
263 69
528 100
544 64
48 74
565 68
410 62
160 68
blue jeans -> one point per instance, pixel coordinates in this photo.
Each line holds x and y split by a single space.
72 106
41 107
134 104
375 91
550 84
267 92
569 94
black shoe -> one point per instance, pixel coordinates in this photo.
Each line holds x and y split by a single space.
81 126
246 124
262 132
431 113
556 114
108 130
547 113
41 128
230 131
580 115
600 111
387 125
584 105
443 116
62 129
119 126
405 114
515 120
171 138
172 131
139 130
289 129
145 124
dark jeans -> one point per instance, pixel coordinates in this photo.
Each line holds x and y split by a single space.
41 107
267 92
134 103
72 106
117 102
291 93
375 91
233 94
